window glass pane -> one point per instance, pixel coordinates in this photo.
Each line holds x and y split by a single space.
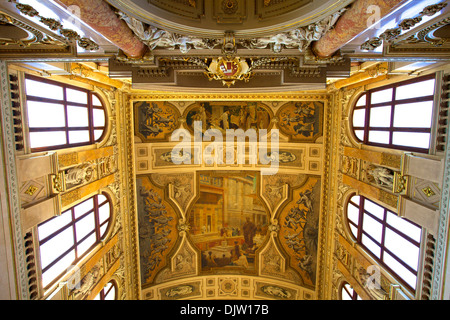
54 224
359 117
356 200
77 116
111 295
359 134
96 101
374 209
79 136
84 246
56 246
379 137
345 295
353 213
103 229
85 226
404 226
47 139
372 227
380 117
104 213
381 96
76 96
413 115
83 207
354 231
414 90
372 246
59 267
400 270
361 101
99 118
403 249
43 90
98 134
412 139
101 198
45 115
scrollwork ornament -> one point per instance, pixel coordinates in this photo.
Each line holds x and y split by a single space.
87 44
27 9
69 34
390 34
183 226
52 24
274 227
409 23
372 44
431 10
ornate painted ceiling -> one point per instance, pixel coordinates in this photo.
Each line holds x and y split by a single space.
208 228
216 228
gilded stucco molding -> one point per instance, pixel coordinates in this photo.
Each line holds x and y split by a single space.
131 234
390 35
54 25
10 169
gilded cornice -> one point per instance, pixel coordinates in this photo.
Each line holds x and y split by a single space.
161 96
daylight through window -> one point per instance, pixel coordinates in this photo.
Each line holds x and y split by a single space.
397 116
64 239
392 240
62 116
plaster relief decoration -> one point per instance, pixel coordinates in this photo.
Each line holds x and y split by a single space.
187 290
380 176
155 37
155 120
229 222
301 121
391 35
229 115
157 231
299 38
275 188
273 291
68 35
182 190
300 229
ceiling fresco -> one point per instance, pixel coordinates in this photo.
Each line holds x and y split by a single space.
229 224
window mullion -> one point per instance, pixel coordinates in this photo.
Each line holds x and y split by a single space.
383 235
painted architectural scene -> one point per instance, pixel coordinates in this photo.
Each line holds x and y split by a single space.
229 115
228 222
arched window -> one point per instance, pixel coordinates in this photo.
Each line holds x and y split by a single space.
398 116
347 292
65 239
108 292
62 116
391 240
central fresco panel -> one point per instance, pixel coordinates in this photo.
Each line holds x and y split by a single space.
229 219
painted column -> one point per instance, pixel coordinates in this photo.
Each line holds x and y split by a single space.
353 22
100 17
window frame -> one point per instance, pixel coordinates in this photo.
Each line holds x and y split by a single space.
381 244
72 224
353 296
89 105
102 294
392 103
